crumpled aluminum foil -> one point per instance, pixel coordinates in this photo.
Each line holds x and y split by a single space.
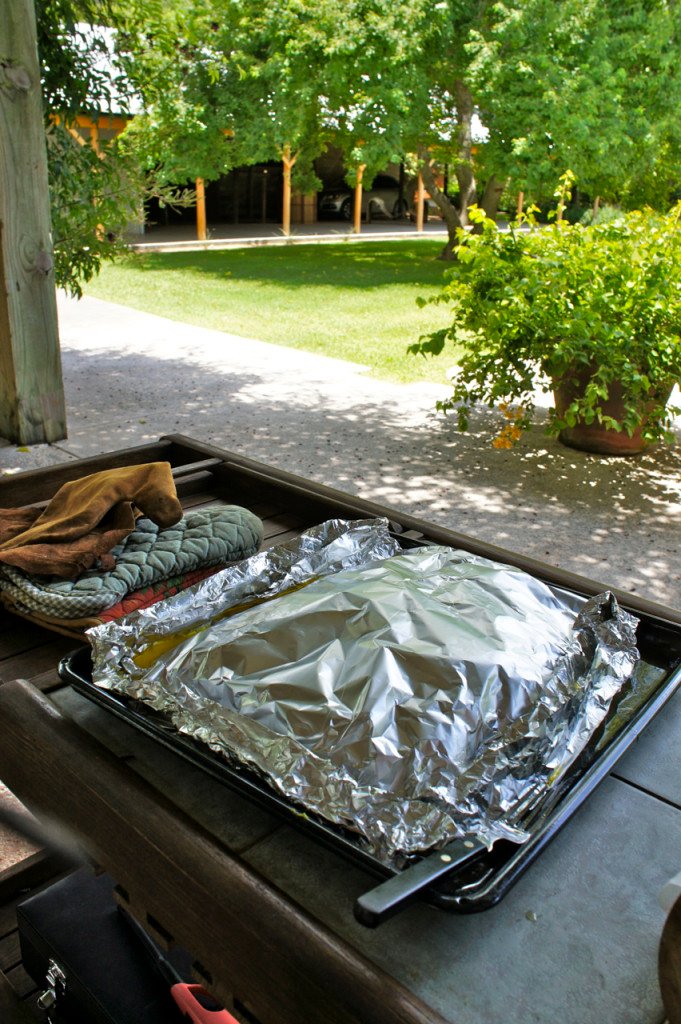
413 697
122 648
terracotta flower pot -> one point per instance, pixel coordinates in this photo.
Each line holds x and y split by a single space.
594 437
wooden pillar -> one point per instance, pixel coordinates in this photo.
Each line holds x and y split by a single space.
94 138
201 232
288 162
521 204
32 408
420 202
597 206
357 210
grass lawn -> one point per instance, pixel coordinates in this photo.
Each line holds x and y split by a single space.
353 301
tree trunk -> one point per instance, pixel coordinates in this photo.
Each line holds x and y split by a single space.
455 217
464 164
450 214
201 232
490 201
357 208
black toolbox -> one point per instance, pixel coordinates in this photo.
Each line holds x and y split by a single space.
85 958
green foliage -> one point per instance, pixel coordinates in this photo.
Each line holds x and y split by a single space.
94 193
85 194
228 84
221 84
536 305
77 74
593 86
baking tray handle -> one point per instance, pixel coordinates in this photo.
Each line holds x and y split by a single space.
379 904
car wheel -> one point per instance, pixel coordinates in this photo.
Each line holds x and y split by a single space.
346 209
400 209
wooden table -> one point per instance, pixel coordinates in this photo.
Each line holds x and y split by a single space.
267 911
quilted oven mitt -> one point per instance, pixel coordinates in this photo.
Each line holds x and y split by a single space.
207 537
86 518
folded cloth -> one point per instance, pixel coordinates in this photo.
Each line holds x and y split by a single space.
203 538
131 602
86 519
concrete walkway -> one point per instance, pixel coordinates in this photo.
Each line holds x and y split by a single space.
131 377
232 236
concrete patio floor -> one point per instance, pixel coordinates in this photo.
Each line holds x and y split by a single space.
225 236
131 377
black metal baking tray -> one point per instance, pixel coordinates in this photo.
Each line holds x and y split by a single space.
462 877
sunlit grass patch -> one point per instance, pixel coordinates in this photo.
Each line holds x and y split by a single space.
355 302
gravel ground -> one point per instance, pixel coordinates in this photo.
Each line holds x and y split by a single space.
130 377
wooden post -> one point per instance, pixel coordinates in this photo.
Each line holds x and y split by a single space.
94 138
357 209
32 408
201 232
521 203
420 199
288 162
597 206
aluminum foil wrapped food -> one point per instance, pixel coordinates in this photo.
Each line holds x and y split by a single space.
412 696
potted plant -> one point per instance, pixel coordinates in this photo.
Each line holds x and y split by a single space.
592 313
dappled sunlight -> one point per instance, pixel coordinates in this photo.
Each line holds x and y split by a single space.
341 302
130 379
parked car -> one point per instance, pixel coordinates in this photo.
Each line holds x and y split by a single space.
381 200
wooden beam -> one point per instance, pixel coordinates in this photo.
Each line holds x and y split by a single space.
12 1009
420 200
201 232
288 162
114 121
32 408
357 214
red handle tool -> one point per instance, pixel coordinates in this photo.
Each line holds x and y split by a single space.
192 1000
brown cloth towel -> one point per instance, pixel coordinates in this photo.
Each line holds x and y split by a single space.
87 518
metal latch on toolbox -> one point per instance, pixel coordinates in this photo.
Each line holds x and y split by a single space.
56 986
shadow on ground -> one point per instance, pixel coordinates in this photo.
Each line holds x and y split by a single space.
615 520
379 263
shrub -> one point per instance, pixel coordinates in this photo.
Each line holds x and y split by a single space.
534 306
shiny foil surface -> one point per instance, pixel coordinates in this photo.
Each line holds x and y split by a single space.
412 696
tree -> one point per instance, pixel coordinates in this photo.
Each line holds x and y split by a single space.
593 87
95 191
